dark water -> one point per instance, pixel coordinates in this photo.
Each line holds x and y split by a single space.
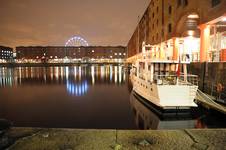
86 96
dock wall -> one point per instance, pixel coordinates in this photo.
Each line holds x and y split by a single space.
210 75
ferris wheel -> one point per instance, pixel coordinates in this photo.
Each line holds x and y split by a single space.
76 41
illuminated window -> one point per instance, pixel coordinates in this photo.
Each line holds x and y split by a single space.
115 53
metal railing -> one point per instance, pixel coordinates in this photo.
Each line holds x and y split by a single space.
176 80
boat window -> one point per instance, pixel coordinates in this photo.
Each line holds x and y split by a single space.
172 68
156 72
135 71
162 69
149 67
167 69
156 68
141 70
150 72
147 48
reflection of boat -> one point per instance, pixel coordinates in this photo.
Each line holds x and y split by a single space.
147 118
161 82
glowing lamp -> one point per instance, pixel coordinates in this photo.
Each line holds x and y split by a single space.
224 19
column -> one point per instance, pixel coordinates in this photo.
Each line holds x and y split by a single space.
204 42
175 48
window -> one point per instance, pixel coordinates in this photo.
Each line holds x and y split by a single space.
215 2
182 2
170 10
157 22
153 15
185 2
162 32
157 9
178 3
170 28
149 67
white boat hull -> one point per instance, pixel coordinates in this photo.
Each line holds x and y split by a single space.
166 96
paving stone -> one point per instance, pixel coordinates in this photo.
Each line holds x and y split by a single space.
75 139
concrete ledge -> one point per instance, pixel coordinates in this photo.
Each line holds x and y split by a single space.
76 139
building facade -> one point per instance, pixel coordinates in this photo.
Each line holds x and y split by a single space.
6 54
62 53
194 28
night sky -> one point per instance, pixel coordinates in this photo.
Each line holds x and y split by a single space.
52 22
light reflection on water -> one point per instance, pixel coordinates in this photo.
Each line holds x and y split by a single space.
146 118
77 89
83 96
74 77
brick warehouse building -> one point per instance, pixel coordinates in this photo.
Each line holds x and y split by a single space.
193 27
6 54
51 53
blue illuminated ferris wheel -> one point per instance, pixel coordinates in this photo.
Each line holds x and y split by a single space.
76 41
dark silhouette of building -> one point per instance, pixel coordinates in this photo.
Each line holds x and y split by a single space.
61 52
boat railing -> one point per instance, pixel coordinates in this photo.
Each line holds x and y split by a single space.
183 79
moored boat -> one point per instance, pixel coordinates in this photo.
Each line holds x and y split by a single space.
165 83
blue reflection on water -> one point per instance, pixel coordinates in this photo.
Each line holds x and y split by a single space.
77 89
